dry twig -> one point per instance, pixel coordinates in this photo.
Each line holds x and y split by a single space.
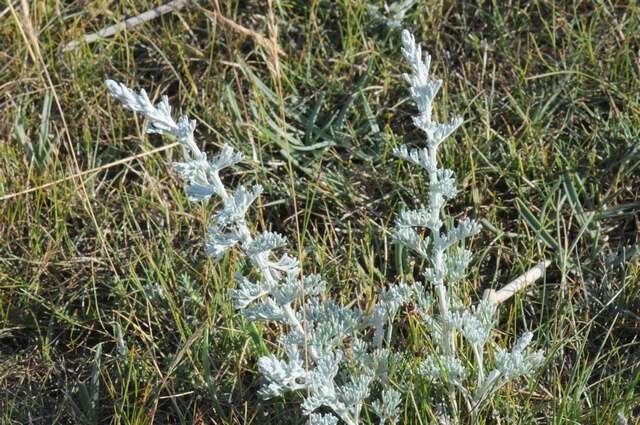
517 285
128 23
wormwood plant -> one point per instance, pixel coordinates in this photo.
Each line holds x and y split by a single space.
339 360
442 311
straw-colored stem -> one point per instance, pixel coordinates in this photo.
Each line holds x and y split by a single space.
517 284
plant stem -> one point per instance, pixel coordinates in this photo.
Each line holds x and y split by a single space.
477 353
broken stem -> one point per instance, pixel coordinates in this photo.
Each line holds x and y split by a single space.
516 285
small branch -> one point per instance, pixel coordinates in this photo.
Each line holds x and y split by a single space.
129 23
517 285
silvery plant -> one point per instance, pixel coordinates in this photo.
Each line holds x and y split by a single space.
445 317
337 359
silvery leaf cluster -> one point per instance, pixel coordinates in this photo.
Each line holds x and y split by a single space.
427 232
391 14
317 333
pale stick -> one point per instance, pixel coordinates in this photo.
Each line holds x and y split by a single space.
516 285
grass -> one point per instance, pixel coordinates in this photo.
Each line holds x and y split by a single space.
109 310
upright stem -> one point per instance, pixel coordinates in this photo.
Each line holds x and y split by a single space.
486 388
436 202
477 353
444 312
389 333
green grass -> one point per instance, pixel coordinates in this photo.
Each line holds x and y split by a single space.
548 158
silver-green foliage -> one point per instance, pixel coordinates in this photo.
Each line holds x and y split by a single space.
324 353
338 358
442 312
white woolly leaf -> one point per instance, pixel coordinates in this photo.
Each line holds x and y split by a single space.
322 419
388 407
159 116
236 205
219 242
243 197
456 263
445 184
194 171
282 376
463 230
419 157
247 292
267 241
227 157
409 238
423 217
265 310
437 132
285 264
518 362
199 192
448 368
313 285
355 392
